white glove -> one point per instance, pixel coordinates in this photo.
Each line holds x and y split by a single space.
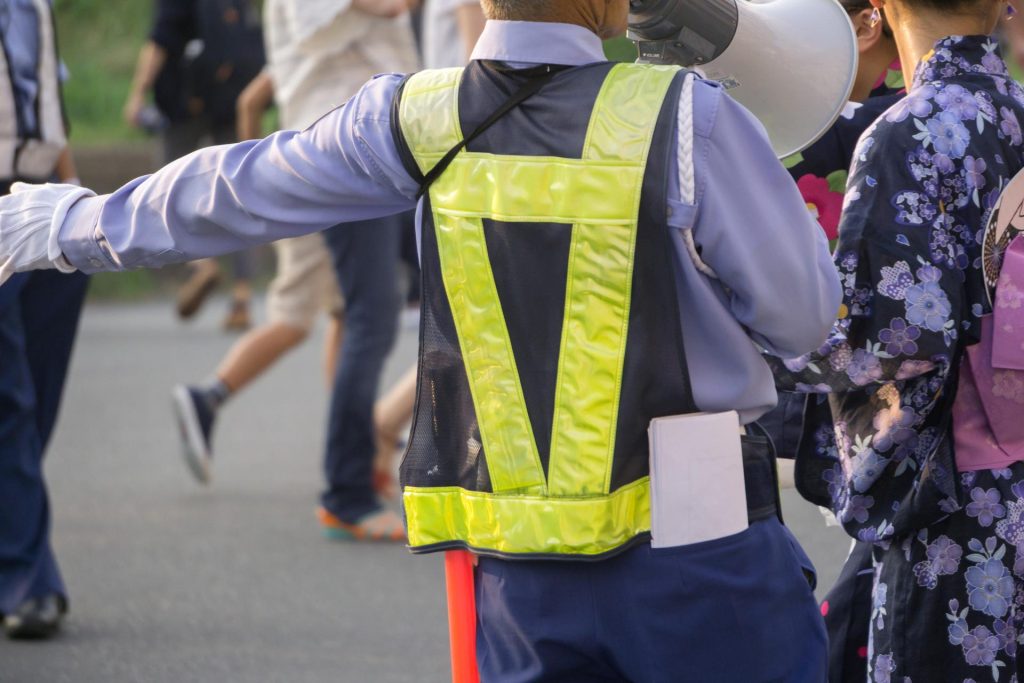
30 221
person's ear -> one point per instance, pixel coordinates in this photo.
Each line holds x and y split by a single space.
868 35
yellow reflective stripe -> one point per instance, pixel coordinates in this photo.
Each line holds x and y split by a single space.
599 288
430 123
591 358
429 114
532 189
583 519
528 524
505 429
626 112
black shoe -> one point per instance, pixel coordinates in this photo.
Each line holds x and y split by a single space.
195 426
37 618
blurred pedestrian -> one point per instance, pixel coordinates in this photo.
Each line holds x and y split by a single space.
320 52
304 286
450 31
199 57
38 321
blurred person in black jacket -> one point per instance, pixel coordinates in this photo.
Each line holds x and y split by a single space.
199 57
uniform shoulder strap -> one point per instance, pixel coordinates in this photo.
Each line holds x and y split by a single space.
687 175
523 93
426 117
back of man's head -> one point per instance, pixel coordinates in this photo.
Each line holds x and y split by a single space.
606 18
519 10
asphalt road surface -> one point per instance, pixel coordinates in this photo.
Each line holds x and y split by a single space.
173 583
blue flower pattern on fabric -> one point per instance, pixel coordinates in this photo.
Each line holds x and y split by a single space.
877 448
909 258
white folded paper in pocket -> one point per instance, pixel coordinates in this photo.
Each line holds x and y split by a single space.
697 485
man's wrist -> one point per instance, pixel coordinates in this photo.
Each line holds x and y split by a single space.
62 264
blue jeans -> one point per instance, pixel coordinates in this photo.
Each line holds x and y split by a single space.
734 610
38 320
365 256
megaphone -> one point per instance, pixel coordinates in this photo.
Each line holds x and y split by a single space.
792 63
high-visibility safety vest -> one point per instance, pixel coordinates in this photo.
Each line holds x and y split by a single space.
33 157
550 329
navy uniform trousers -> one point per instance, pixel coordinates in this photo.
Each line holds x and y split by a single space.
734 610
38 319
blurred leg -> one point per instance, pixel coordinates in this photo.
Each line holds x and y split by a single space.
242 267
179 139
394 409
332 346
27 565
366 264
257 351
50 308
294 299
390 415
242 262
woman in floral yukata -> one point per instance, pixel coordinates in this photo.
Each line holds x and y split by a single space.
948 596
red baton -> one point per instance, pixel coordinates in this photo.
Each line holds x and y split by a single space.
458 571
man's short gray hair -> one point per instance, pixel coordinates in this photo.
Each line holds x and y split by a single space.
518 9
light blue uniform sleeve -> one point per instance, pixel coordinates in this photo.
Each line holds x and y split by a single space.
345 167
754 230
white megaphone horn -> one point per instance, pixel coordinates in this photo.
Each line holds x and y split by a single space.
792 63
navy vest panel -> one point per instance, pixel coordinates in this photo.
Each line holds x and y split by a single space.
530 263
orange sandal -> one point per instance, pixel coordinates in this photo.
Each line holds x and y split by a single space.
381 526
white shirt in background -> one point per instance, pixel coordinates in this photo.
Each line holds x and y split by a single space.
443 46
320 52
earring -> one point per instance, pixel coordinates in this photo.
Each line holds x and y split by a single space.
876 17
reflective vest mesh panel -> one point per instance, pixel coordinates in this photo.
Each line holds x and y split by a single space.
550 331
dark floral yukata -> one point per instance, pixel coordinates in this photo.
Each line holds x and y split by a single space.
948 598
821 173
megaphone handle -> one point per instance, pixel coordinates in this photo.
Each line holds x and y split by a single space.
458 571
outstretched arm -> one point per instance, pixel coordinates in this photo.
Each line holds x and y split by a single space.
221 199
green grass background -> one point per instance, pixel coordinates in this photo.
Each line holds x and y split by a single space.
100 41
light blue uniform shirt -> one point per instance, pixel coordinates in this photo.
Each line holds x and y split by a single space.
777 286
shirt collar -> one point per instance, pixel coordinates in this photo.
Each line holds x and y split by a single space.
532 42
958 56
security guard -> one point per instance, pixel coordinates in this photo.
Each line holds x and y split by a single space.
601 244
